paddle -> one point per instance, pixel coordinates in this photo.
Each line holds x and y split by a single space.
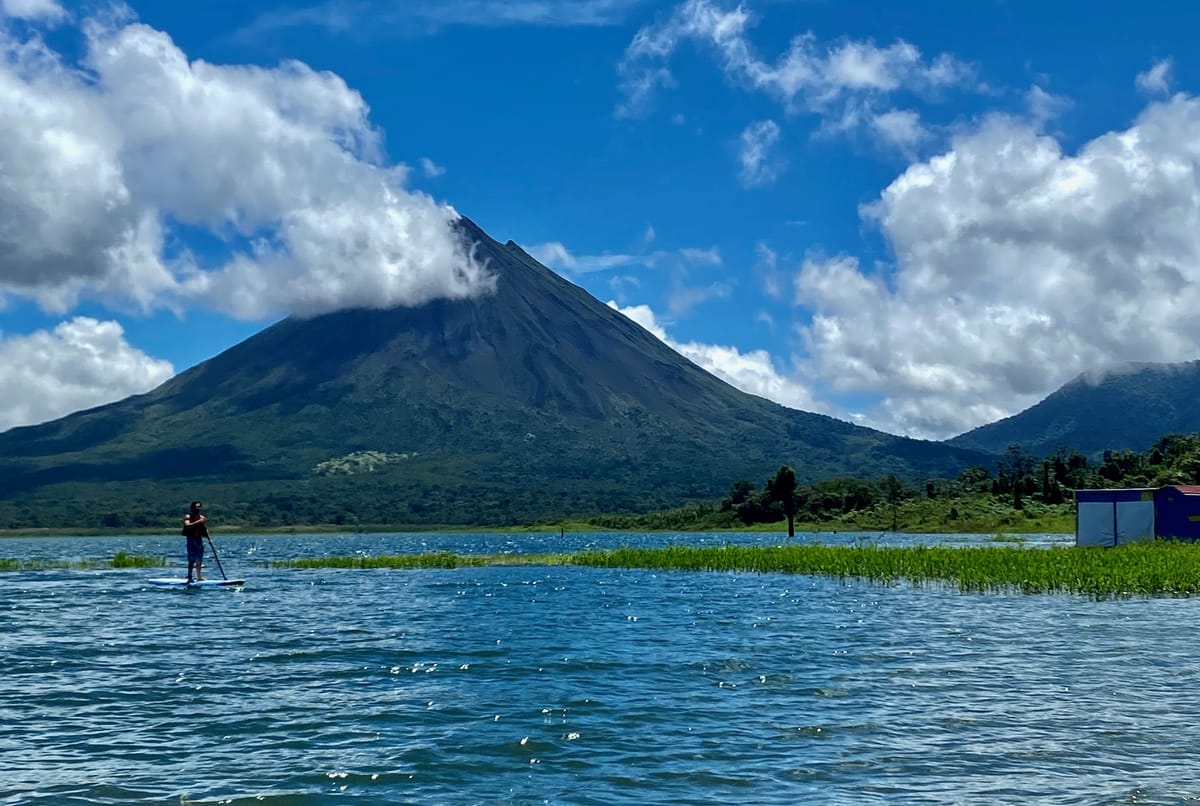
215 557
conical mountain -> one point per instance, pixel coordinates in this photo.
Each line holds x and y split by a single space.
1123 408
535 401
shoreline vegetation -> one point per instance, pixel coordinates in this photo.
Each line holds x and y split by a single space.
1022 494
119 560
980 514
1153 568
1144 569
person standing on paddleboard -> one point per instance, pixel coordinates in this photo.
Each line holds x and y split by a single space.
195 529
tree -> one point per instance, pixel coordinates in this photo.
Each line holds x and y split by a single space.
738 495
783 488
1051 491
975 479
1123 468
1015 469
894 490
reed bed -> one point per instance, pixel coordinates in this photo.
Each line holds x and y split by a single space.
119 560
1162 567
1153 568
1141 569
123 560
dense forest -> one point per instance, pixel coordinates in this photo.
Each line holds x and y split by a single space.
1021 492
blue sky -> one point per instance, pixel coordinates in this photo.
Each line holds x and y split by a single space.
921 217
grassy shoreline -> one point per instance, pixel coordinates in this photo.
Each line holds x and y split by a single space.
1139 569
1146 569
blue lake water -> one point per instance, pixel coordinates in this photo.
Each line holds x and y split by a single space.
572 685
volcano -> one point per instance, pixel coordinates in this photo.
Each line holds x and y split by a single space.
534 401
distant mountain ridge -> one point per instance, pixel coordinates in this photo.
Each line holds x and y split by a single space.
1127 407
535 401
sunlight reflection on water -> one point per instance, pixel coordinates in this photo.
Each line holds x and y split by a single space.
573 685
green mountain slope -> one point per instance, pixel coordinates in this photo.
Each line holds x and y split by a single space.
1127 408
535 401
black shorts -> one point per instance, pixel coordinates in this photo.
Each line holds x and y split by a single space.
195 549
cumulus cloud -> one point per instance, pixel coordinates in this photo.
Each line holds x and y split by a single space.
41 10
1156 80
758 165
899 128
1045 106
1016 266
752 372
80 364
279 164
810 76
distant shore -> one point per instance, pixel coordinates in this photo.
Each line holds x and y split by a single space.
566 527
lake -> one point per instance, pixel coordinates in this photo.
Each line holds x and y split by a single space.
537 684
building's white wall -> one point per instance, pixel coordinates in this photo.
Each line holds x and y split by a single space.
1135 521
1132 520
1096 524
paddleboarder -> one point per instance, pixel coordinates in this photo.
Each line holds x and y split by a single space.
195 529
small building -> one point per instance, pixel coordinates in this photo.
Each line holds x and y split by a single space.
1114 517
1177 511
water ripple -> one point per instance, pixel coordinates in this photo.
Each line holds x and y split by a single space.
571 685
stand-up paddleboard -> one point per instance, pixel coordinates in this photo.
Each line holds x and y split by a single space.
176 582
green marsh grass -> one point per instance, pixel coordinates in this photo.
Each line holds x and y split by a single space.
1140 569
1151 568
123 560
119 560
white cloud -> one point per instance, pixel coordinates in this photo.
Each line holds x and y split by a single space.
899 128
1156 80
758 165
430 168
280 163
558 257
1017 266
644 316
808 76
80 364
370 18
701 257
1045 106
683 298
766 267
648 236
752 372
565 13
623 284
39 10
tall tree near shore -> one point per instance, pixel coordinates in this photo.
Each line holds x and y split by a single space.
895 491
783 487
